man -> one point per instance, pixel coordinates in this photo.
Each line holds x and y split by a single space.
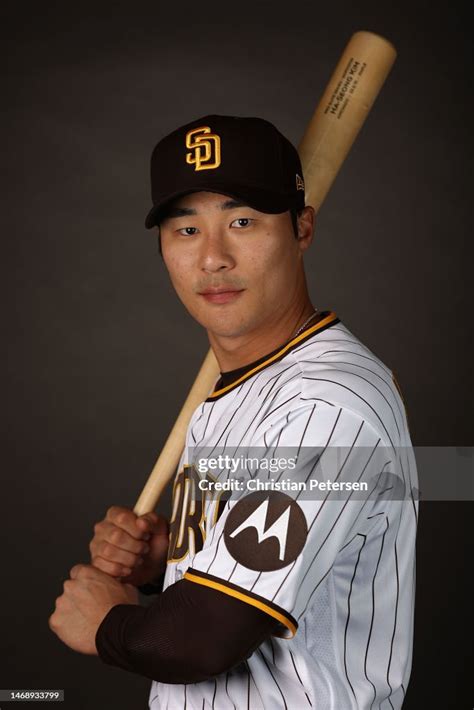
290 567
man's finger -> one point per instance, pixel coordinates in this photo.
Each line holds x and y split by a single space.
119 538
115 554
67 586
74 571
124 519
153 524
61 603
79 572
114 569
53 621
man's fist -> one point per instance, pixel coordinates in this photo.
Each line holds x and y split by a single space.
134 548
87 598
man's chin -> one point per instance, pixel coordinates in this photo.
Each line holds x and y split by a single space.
227 328
225 321
226 331
222 326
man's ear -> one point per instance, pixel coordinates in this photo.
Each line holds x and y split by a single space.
305 224
158 234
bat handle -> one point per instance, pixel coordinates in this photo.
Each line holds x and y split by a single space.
168 460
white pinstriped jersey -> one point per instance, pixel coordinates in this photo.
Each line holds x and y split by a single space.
345 599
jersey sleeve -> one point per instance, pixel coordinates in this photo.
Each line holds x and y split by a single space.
282 531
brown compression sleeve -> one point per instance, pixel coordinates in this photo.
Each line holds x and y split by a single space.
189 634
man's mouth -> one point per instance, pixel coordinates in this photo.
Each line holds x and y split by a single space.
221 294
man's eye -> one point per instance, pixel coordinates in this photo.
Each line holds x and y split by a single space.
187 231
241 222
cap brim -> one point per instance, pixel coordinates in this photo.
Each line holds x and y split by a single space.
258 199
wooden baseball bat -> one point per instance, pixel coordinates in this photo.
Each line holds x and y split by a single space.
340 114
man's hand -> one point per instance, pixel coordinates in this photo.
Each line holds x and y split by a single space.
88 596
133 548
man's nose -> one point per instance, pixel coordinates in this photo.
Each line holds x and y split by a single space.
216 252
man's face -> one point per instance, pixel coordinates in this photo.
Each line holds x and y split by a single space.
234 268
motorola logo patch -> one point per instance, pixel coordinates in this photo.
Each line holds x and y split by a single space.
265 531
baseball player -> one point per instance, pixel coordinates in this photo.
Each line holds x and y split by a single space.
286 576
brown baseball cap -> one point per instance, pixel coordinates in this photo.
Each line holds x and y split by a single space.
246 158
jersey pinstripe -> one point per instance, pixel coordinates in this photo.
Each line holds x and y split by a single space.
345 604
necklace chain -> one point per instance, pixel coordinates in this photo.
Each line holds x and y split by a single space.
301 328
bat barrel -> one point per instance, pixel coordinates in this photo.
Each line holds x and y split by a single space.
342 110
